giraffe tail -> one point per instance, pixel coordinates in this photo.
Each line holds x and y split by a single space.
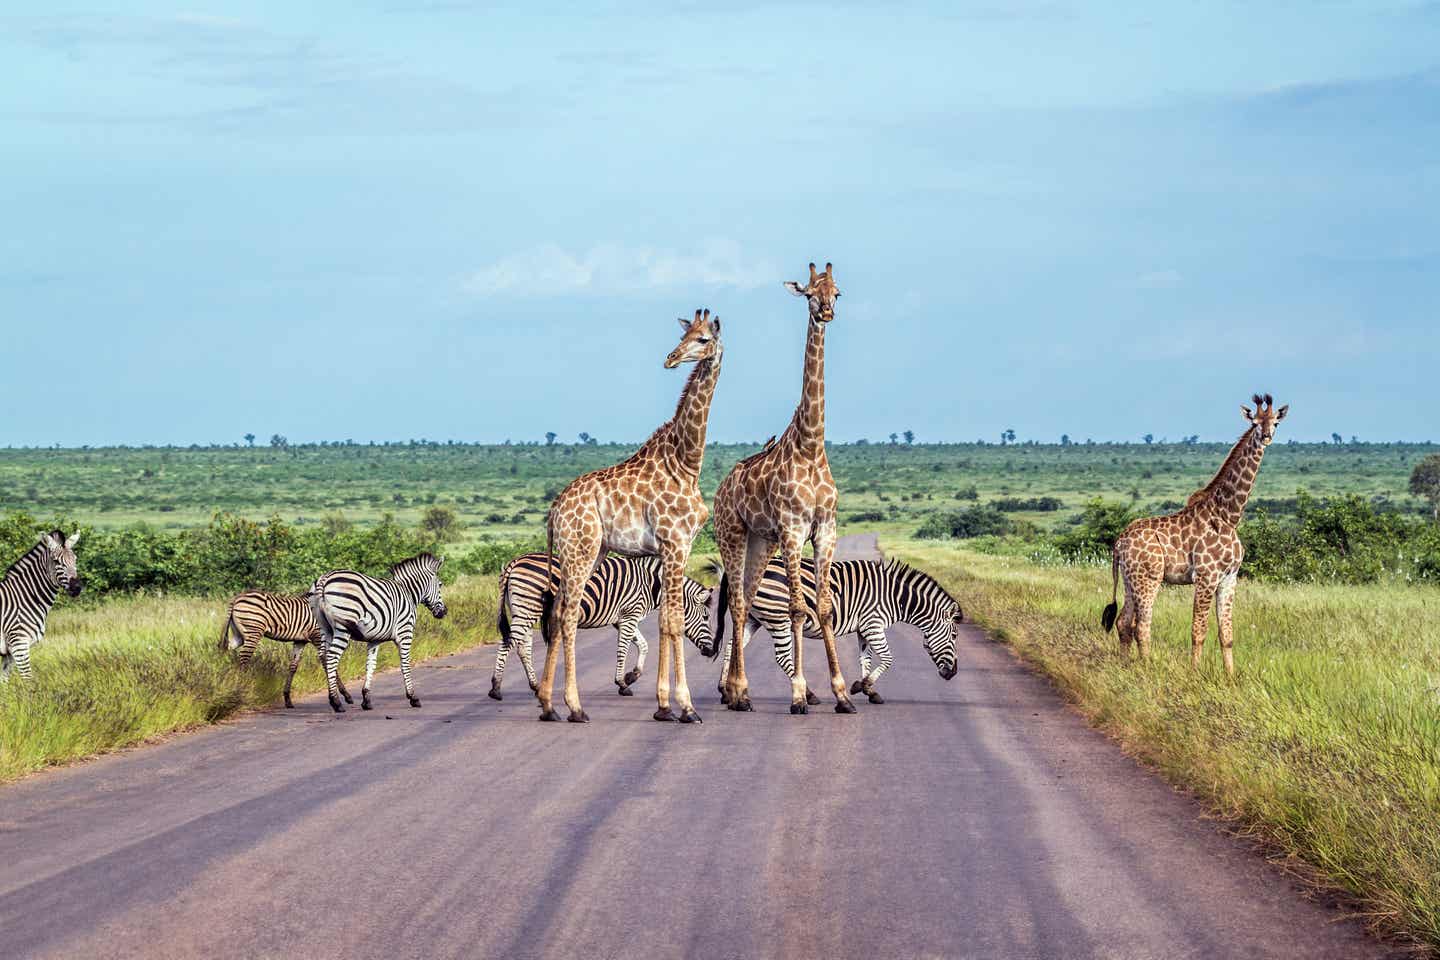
1107 616
722 608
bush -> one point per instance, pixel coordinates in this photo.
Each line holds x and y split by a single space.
1097 528
866 516
977 521
1031 504
1343 540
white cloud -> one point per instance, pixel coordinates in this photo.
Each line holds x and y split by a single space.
613 269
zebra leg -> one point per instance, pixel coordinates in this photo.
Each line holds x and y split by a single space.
498 674
622 647
875 640
629 634
865 662
526 649
5 661
402 640
372 651
294 665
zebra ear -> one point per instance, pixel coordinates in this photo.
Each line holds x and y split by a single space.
71 540
52 539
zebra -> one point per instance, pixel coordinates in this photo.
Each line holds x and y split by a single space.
28 592
869 595
620 593
280 616
349 605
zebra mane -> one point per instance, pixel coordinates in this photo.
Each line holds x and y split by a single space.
36 548
421 561
918 580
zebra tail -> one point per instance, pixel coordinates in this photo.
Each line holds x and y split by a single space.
724 607
502 621
547 598
1107 616
225 629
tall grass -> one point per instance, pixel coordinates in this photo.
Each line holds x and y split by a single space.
1326 744
136 668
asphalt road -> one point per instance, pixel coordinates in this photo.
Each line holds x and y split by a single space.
978 817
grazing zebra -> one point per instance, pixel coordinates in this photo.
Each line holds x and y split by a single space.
28 592
350 605
868 595
280 616
620 593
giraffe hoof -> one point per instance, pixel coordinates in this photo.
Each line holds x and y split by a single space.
549 715
844 706
365 703
631 677
495 694
664 714
810 698
579 716
875 697
626 692
415 701
690 716
742 705
336 705
799 707
534 688
856 687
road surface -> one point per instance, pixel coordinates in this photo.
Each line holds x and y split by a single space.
978 817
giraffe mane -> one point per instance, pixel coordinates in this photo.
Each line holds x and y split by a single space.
1204 492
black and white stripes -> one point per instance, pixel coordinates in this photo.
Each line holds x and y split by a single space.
868 596
28 592
286 617
349 605
621 592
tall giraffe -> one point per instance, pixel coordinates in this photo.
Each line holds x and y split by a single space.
647 505
782 497
1197 545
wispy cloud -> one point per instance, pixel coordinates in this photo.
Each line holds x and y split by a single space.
608 269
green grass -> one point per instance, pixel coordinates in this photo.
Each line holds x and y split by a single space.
1326 744
133 669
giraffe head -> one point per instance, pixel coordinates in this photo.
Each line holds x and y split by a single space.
1265 416
62 560
701 340
821 293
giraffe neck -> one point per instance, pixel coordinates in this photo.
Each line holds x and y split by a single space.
686 431
1224 497
808 426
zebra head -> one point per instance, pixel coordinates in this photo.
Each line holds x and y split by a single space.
421 575
697 617
61 550
934 611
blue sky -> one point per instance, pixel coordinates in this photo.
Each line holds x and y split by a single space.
479 221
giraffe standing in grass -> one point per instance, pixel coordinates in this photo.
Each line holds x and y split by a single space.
647 505
784 496
1197 545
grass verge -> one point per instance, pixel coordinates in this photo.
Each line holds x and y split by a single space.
129 670
1326 745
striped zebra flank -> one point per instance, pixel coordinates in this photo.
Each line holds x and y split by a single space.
28 592
620 593
354 606
868 596
285 617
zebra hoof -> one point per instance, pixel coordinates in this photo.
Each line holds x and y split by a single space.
626 692
495 694
415 702
742 705
799 706
288 704
336 705
365 703
856 687
631 677
725 696
579 716
875 697
690 716
844 706
663 714
810 697
550 716
347 697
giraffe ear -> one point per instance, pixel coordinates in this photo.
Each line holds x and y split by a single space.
715 326
684 324
795 288
1248 414
1280 414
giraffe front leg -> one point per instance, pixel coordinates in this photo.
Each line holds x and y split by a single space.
569 624
672 622
1224 608
824 542
372 652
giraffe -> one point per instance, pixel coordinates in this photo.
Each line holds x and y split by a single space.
782 497
1196 545
647 505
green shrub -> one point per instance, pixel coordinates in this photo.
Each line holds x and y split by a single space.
977 521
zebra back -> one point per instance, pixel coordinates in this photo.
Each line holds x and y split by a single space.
280 616
619 584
